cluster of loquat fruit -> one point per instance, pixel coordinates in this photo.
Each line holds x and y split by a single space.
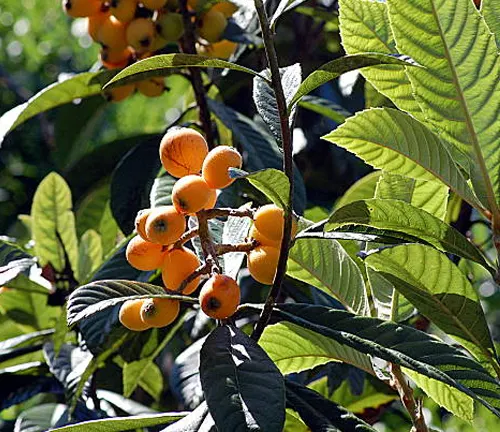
161 233
131 30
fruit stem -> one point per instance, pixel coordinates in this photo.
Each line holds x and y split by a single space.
222 249
207 245
225 212
286 140
188 235
187 46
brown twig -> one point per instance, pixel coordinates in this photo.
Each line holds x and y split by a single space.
201 270
188 46
222 249
188 235
225 212
207 245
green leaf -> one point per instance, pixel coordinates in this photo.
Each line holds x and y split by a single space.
283 7
364 188
89 254
40 417
25 339
108 229
271 182
162 65
74 87
235 231
365 26
118 424
458 87
91 209
440 291
161 191
327 266
293 422
24 274
395 142
398 344
51 215
397 218
335 68
145 374
295 349
490 9
237 376
325 108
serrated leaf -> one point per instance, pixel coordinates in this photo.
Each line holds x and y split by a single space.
235 231
89 254
273 183
458 88
161 191
365 26
398 344
325 108
412 224
295 349
490 9
395 142
364 188
335 68
78 86
51 215
162 65
242 386
440 291
327 266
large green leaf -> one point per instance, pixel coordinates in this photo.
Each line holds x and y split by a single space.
335 68
161 191
162 65
364 188
89 254
364 26
397 218
398 143
458 88
440 291
39 418
74 87
51 216
398 344
327 266
325 108
295 349
491 12
237 377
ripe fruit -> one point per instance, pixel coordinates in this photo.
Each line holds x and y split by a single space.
182 151
140 222
112 59
269 221
112 34
140 34
220 297
222 49
159 312
82 8
216 164
212 199
144 255
170 26
152 87
130 315
262 239
94 24
154 4
212 25
178 264
262 263
190 194
164 225
123 10
119 93
226 8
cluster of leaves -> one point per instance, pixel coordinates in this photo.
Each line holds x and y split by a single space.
358 280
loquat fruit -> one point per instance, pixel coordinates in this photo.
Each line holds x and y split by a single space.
82 8
226 8
140 222
212 199
118 94
154 4
190 194
159 312
182 151
140 34
165 225
220 296
112 34
144 255
94 23
123 10
130 315
212 25
113 59
170 26
255 234
216 164
152 87
178 264
222 49
262 263
269 221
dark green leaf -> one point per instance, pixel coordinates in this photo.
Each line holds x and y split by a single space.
283 7
161 191
325 108
39 418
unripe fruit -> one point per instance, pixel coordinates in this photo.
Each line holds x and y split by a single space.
222 49
269 221
178 264
220 297
119 93
94 24
159 312
140 222
140 34
152 87
82 8
170 26
144 255
154 4
130 315
112 34
212 25
164 225
113 59
226 8
262 263
216 164
190 194
123 10
182 152
262 239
